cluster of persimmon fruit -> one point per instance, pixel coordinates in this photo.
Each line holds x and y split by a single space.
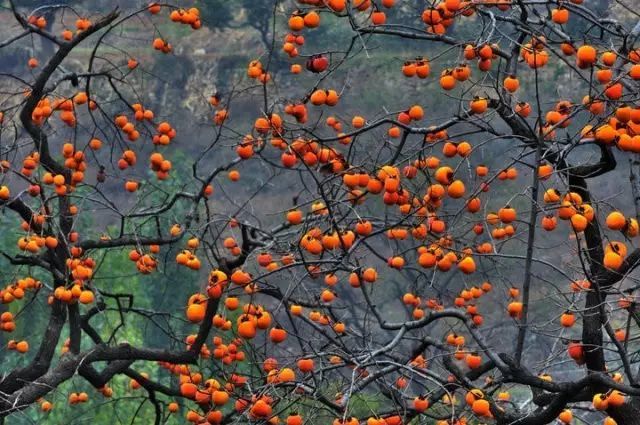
146 263
19 346
157 162
81 271
75 398
81 24
187 257
66 107
7 321
16 291
189 17
213 395
297 22
255 71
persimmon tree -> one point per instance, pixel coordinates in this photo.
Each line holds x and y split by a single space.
466 256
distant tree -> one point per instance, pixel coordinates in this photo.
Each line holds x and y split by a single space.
239 13
217 13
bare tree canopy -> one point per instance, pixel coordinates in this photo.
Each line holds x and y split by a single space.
345 212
